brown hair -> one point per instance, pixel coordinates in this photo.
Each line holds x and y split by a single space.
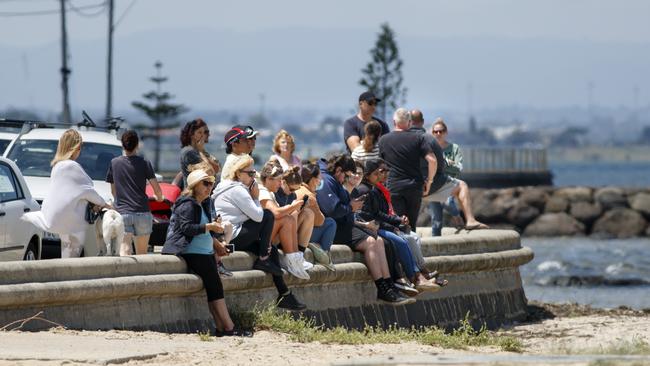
292 176
189 129
69 142
286 135
372 131
272 169
439 122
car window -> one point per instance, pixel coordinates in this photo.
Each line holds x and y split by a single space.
3 145
8 185
33 157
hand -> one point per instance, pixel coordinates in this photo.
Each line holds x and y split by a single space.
215 227
254 190
296 205
312 203
405 220
427 186
160 199
220 248
372 225
356 205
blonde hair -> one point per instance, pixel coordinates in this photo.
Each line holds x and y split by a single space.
239 163
206 166
287 136
69 142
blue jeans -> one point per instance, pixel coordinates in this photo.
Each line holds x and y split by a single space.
436 214
324 234
403 251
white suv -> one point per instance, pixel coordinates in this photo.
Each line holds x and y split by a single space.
33 150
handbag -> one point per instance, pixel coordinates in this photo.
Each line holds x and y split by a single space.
90 215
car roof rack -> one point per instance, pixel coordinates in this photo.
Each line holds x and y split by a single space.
112 123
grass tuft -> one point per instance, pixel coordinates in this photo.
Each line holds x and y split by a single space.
205 336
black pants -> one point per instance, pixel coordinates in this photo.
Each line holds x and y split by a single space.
407 203
205 266
343 232
255 237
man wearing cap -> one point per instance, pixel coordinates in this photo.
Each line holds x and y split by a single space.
239 140
353 128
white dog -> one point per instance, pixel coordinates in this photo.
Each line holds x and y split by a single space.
110 230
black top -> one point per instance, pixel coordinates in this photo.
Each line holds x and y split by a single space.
375 207
402 151
185 223
130 175
354 127
441 176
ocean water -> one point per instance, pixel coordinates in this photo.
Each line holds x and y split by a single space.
599 174
600 273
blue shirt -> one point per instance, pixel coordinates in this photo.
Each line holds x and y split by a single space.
202 243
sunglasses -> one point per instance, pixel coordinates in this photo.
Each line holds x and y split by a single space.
436 132
383 170
371 102
207 183
251 173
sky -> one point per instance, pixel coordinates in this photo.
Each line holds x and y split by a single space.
620 24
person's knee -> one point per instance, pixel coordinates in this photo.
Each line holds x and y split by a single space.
288 222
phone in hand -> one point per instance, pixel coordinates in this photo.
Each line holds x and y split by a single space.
304 201
362 197
230 248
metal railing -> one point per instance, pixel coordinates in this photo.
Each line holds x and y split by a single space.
504 159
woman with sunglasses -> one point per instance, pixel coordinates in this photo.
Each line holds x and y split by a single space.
190 237
236 199
285 229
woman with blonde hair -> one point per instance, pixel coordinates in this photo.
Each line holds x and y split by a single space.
284 147
70 191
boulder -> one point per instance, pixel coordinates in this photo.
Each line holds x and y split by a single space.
610 197
620 223
641 202
555 224
586 212
491 206
522 214
556 204
575 194
533 196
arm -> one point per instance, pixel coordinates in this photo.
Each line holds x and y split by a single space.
243 200
353 142
156 190
279 212
432 165
330 203
185 217
113 189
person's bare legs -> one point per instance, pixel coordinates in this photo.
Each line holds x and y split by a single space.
220 315
375 257
141 244
305 226
462 193
285 230
125 246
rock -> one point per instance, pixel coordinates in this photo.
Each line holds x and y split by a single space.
610 197
522 214
575 194
641 202
492 206
556 204
535 197
620 223
586 212
555 224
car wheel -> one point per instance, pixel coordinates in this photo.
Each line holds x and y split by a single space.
30 253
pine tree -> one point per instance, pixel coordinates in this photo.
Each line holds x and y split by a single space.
383 75
160 111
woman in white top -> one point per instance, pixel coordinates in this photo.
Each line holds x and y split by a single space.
71 189
283 147
369 148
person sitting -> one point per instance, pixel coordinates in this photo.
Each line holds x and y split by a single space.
322 236
239 140
335 202
283 148
189 237
236 199
285 229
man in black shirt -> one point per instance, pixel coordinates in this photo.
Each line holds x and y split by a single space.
402 150
353 128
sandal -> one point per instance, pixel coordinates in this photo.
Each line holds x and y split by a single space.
234 333
441 282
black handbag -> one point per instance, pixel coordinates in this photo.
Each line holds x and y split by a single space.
91 216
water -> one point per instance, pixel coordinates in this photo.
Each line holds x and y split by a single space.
599 174
600 273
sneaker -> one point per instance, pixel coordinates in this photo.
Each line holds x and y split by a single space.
427 285
223 271
234 333
306 265
391 297
406 288
290 302
295 265
268 266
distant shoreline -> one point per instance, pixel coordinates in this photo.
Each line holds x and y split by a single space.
595 153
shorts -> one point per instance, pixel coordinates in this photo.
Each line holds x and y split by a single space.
138 223
359 235
444 192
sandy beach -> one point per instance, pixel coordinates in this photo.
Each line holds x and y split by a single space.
567 331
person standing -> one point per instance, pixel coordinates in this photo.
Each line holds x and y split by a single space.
402 150
71 189
353 128
128 175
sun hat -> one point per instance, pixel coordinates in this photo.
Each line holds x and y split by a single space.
197 177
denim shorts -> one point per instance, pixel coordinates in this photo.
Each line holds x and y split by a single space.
138 223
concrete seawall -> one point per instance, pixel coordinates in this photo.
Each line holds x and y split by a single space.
155 292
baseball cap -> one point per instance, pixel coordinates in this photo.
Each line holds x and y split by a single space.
196 176
368 96
250 131
234 134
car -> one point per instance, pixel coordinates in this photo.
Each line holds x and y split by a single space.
19 239
33 150
5 140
